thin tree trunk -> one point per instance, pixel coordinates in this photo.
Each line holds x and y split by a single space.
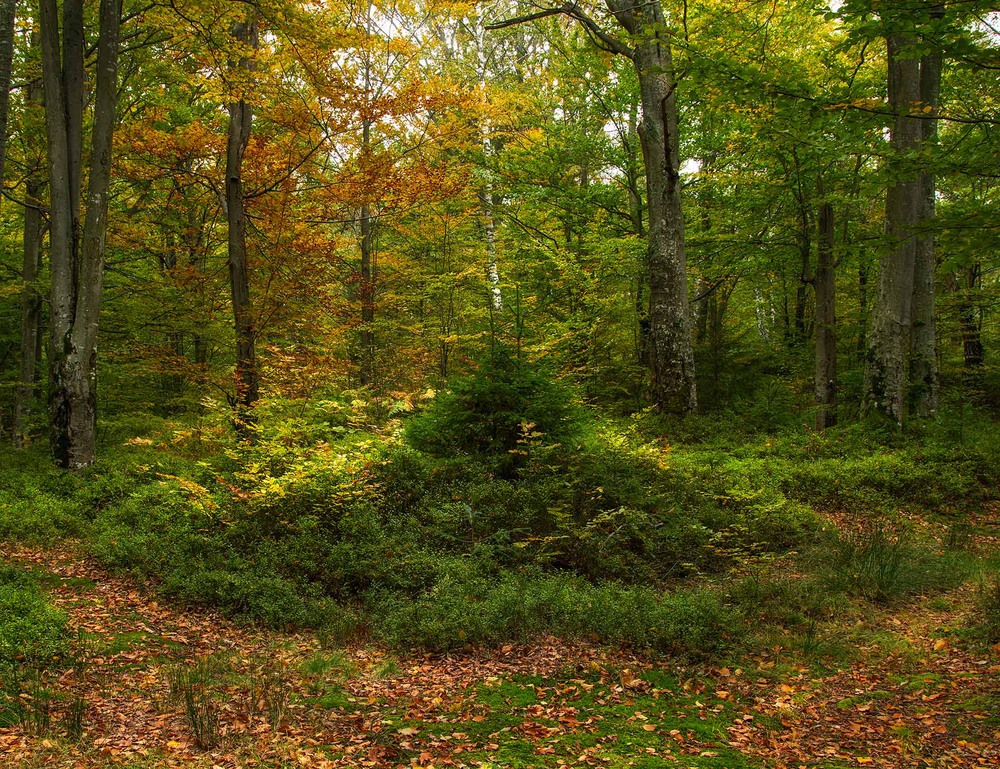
717 307
368 277
862 344
970 316
924 379
886 364
798 334
633 171
487 200
487 205
240 120
825 330
31 298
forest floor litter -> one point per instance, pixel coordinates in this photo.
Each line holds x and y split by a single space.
913 692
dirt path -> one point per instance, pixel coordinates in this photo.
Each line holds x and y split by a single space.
911 695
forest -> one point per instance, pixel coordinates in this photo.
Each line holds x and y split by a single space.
499 383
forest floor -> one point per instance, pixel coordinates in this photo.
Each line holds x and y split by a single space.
898 687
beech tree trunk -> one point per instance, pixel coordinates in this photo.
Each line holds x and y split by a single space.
633 173
824 283
8 10
31 297
970 317
240 120
924 379
886 360
77 258
671 353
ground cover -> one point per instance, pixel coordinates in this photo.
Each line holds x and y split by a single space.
908 685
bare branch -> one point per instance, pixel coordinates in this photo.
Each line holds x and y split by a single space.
601 37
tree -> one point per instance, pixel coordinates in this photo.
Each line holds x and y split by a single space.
901 359
924 378
31 243
8 10
671 355
77 252
240 120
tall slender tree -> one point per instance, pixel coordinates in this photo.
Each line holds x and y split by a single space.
31 296
240 119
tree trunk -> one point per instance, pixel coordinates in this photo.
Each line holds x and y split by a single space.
8 10
368 277
240 119
671 353
923 362
718 305
801 331
886 361
825 330
31 298
487 204
862 343
970 317
77 260
633 171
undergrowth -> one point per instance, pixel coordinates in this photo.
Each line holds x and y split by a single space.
443 529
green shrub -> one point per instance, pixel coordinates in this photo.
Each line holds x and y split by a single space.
506 409
468 608
32 632
38 518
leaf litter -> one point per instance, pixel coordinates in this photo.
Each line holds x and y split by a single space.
931 702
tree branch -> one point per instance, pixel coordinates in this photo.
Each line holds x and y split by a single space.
602 38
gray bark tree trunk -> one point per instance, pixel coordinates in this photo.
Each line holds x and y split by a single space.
240 120
77 258
825 331
8 10
886 360
924 379
31 297
671 352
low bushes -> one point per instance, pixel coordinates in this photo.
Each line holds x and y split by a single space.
32 633
481 524
466 608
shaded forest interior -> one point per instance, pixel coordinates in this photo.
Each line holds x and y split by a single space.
668 328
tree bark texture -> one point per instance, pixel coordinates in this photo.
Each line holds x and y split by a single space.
8 10
671 352
886 360
825 328
77 259
924 380
240 120
31 297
